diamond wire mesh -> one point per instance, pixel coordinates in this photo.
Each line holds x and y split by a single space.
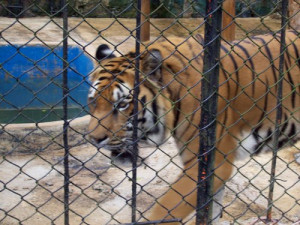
32 171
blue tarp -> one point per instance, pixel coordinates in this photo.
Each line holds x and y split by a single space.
31 76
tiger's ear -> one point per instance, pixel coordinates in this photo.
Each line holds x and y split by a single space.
151 64
104 52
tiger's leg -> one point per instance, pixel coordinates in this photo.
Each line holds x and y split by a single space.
217 204
217 207
180 199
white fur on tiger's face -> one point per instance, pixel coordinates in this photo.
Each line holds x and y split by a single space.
169 104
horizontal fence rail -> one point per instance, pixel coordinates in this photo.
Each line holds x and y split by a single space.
149 112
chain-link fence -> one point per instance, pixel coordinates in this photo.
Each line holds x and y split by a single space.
99 126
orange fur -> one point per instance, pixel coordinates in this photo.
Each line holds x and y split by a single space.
171 75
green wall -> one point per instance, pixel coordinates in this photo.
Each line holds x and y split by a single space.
127 8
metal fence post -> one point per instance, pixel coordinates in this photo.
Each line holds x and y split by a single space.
65 111
284 23
209 94
135 112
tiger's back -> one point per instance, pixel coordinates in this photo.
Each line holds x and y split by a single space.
254 82
249 76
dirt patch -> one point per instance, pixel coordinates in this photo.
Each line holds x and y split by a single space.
90 32
100 193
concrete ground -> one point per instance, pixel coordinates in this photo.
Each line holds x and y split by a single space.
31 189
31 184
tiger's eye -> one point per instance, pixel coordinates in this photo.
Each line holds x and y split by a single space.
122 105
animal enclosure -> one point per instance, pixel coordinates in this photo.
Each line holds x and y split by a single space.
54 173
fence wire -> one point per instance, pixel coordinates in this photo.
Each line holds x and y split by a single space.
100 126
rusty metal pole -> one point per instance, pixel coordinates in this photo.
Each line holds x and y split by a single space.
145 20
209 101
228 25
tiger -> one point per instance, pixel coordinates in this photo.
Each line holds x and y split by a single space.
168 103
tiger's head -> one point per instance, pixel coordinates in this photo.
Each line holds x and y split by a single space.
111 105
